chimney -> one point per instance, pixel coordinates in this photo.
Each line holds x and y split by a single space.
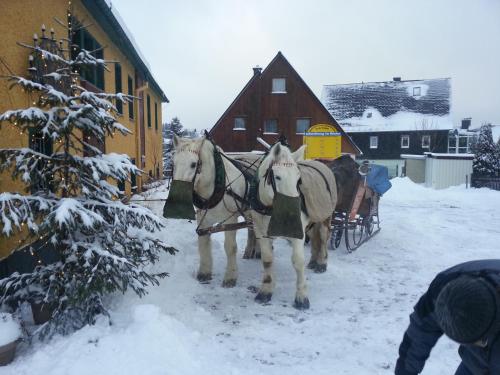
257 70
466 123
396 79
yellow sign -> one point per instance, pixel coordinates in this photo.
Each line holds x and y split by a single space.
323 142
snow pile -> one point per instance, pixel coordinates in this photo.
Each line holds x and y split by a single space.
9 329
359 307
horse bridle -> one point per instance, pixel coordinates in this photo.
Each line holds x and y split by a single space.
269 178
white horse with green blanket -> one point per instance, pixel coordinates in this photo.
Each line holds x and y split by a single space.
302 196
204 176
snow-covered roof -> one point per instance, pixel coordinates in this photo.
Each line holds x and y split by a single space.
127 32
391 106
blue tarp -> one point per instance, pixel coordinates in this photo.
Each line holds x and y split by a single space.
378 178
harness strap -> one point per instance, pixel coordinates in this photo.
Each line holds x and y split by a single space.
219 185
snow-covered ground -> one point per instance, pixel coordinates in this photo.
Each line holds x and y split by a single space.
359 307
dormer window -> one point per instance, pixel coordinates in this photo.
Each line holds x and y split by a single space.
279 86
416 91
369 115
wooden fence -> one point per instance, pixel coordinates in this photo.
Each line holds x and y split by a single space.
491 182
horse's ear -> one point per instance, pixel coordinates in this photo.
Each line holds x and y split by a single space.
277 150
299 154
176 140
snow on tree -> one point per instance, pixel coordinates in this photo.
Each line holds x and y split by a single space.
486 156
101 244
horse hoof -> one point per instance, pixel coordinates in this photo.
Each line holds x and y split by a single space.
263 297
204 277
301 304
231 283
320 268
312 265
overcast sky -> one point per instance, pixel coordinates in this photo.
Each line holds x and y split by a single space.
202 51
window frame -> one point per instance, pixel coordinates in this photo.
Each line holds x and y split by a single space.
148 110
118 87
156 116
426 136
297 125
130 84
374 145
405 136
243 118
92 74
266 122
417 91
284 85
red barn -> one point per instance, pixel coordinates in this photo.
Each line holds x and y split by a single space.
275 101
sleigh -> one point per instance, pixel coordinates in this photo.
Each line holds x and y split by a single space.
356 217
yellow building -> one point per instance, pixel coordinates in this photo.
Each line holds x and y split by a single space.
128 73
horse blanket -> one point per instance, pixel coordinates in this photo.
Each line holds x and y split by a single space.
318 189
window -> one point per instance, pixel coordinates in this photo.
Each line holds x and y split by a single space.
369 115
271 126
121 185
426 141
92 74
133 179
239 123
156 116
452 144
42 144
130 92
405 141
148 109
157 173
118 87
374 141
279 86
416 91
302 125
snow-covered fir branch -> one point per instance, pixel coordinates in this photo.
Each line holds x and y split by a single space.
71 209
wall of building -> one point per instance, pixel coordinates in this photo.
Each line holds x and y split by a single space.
257 103
389 143
20 19
443 173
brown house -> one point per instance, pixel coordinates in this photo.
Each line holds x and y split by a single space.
275 101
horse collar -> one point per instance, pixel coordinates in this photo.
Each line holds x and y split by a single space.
219 184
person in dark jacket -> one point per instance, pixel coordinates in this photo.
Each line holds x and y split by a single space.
462 302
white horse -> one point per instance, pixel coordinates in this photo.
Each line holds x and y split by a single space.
194 161
286 175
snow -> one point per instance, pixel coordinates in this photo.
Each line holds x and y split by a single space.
9 329
359 307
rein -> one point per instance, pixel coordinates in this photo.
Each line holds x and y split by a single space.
221 189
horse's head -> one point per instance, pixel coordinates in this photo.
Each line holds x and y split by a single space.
186 157
279 172
279 177
187 167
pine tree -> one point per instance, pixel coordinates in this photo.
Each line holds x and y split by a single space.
71 205
169 129
486 158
